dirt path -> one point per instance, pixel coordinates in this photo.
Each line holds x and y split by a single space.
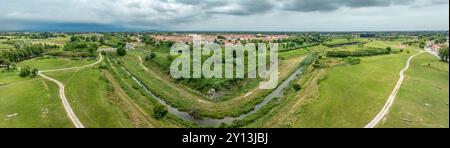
70 113
384 111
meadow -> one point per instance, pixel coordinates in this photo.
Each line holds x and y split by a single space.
187 100
30 103
341 95
423 99
331 92
50 63
87 91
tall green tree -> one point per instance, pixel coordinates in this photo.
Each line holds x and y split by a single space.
25 71
34 72
121 51
160 111
443 53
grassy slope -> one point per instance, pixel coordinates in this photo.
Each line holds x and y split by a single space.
34 100
98 106
423 99
144 104
87 91
186 100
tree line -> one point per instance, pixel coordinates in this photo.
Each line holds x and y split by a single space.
26 52
359 53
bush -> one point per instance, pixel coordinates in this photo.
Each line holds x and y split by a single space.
317 64
34 73
353 61
150 57
103 66
160 112
297 87
389 49
121 51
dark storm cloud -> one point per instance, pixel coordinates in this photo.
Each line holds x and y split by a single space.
439 2
167 13
230 7
332 5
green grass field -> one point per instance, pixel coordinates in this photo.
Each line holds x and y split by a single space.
338 42
423 98
53 63
52 41
293 54
384 44
86 90
31 103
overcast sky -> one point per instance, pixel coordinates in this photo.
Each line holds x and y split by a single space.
225 15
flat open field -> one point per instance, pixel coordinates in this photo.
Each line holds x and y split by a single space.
53 63
87 91
52 41
332 93
183 98
423 98
30 103
6 46
347 96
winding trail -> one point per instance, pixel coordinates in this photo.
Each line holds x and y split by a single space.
384 111
70 113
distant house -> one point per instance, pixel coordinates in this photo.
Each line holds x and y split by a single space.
436 47
129 46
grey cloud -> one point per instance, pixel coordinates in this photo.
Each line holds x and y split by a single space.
230 7
332 5
252 6
439 2
171 12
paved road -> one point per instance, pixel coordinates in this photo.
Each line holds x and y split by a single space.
70 113
392 97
